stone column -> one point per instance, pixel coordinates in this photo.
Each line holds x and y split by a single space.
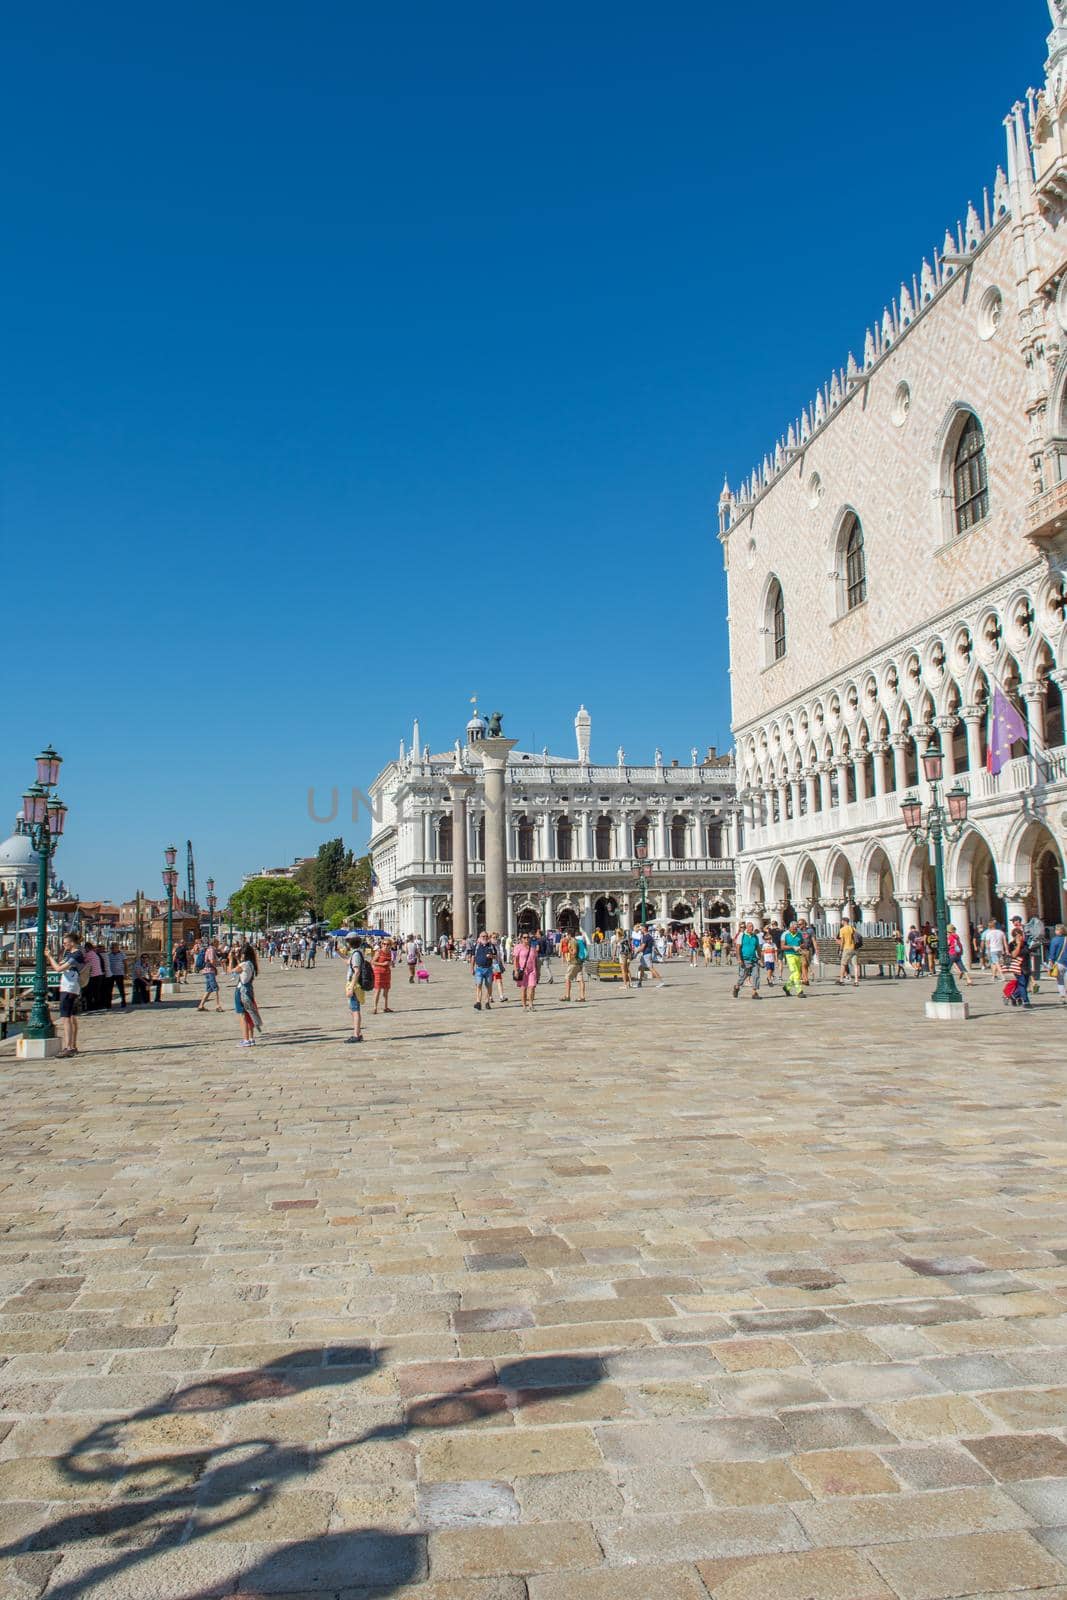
494 758
662 845
585 835
810 780
972 716
460 785
1034 695
946 727
958 914
878 750
512 917
587 916
794 791
908 905
550 836
626 837
860 768
899 742
427 836
832 912
547 914
824 784
429 927
1014 898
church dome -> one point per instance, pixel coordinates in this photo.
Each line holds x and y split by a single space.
476 729
17 855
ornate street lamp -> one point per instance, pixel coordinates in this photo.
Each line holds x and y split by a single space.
641 853
170 883
45 817
212 902
942 822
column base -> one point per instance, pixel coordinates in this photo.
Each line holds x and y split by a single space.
947 1010
168 988
36 1049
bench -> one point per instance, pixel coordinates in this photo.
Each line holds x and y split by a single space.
876 952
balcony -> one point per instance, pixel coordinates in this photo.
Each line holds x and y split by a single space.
716 872
1046 515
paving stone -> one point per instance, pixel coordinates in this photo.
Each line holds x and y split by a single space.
461 1505
512 1454
1044 1499
906 1516
742 1355
752 1531
831 1473
544 1547
1011 1456
935 1466
830 1427
664 1582
808 1575
750 1483
934 1417
582 1496
940 1569
731 1439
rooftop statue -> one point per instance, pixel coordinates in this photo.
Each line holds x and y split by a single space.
1058 13
496 725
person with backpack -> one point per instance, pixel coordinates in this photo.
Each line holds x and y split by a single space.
359 978
71 965
573 951
526 964
1020 965
850 943
749 945
647 956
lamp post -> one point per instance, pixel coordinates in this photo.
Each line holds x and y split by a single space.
543 900
170 883
212 902
641 852
45 815
943 821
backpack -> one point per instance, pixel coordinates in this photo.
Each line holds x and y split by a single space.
859 942
84 974
200 961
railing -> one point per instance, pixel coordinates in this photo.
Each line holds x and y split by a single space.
701 866
1046 514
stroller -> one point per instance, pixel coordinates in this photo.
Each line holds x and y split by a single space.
1011 992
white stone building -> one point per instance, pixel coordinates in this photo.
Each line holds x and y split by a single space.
898 554
575 833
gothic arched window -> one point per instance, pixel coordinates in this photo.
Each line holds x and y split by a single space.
776 620
855 566
970 476
564 839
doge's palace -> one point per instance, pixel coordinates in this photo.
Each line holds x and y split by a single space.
898 555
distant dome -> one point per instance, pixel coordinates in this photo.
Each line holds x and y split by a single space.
17 853
476 729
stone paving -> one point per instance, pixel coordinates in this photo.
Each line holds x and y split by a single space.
664 1297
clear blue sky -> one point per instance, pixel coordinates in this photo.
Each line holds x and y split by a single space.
359 358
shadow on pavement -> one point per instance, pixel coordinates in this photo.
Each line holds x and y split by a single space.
187 1496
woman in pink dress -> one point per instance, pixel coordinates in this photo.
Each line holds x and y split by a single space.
527 964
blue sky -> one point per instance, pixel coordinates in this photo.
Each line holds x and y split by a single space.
361 358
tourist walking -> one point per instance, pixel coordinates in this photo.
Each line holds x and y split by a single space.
955 954
116 965
1057 961
849 943
1020 966
70 966
573 951
209 966
793 954
359 978
748 960
412 952
244 996
382 962
481 967
1035 942
499 947
527 970
647 956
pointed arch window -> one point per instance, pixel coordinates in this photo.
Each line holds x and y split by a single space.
776 609
855 565
970 476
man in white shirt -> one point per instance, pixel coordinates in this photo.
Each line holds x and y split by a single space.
994 948
69 966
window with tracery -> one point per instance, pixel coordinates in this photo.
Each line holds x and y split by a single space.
855 566
970 477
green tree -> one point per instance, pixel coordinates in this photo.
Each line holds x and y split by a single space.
268 902
328 872
340 909
357 879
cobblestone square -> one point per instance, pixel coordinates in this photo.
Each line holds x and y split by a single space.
662 1297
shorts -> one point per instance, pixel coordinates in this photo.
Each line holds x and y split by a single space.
483 975
67 1003
847 958
211 983
575 968
355 1001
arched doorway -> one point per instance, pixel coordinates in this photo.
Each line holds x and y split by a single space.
681 916
529 920
479 918
567 920
1048 887
443 923
606 914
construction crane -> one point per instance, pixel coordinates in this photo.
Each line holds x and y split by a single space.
190 868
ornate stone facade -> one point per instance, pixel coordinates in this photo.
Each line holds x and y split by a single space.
574 835
900 556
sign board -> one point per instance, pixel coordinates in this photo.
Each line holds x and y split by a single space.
7 980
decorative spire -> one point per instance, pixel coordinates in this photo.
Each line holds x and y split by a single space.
416 742
583 724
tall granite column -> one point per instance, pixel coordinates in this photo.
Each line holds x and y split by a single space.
460 785
494 755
